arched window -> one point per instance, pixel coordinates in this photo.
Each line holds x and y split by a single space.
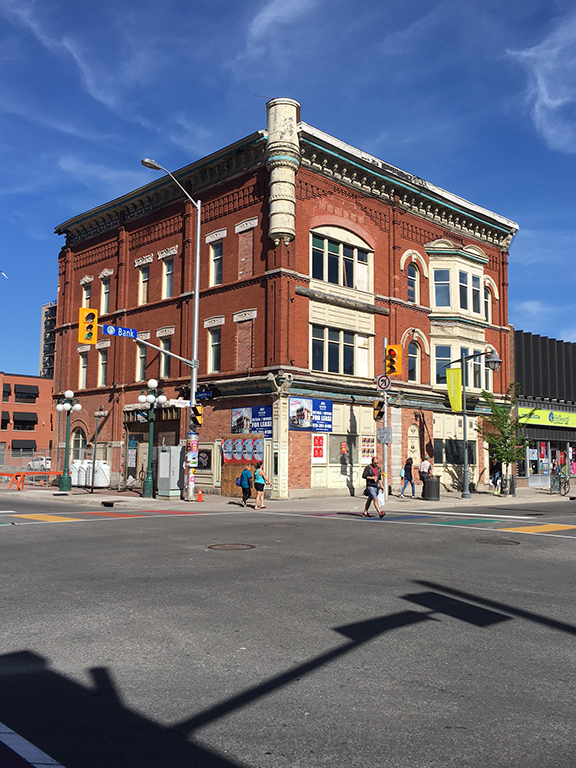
487 305
413 283
413 361
78 444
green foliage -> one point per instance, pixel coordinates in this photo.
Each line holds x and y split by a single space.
500 428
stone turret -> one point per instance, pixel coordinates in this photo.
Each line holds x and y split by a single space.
282 161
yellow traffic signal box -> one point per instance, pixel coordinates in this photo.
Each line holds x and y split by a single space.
393 361
88 326
378 410
197 415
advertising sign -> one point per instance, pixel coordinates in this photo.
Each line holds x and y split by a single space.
310 414
256 419
240 450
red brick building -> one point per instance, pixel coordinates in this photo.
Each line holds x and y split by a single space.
313 253
27 419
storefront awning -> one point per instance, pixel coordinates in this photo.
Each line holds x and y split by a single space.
23 445
23 416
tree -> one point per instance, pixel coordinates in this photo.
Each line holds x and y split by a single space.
500 428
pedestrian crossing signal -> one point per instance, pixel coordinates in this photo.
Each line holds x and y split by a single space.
197 415
378 410
88 326
393 362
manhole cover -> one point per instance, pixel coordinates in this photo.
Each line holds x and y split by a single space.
231 547
498 542
281 525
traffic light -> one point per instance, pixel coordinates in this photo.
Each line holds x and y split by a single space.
88 326
393 362
197 415
378 410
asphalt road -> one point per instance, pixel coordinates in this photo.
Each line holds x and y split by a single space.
334 641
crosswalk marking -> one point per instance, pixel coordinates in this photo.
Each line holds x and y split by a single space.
113 514
463 522
540 528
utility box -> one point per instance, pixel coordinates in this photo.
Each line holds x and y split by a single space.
170 471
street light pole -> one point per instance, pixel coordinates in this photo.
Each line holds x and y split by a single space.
152 395
192 437
68 403
493 362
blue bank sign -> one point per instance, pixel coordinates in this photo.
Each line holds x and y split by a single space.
114 330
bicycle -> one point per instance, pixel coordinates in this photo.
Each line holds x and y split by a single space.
564 485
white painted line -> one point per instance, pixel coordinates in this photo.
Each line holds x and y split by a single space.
469 514
26 750
8 512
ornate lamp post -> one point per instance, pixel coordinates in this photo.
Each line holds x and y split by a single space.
493 362
68 403
151 395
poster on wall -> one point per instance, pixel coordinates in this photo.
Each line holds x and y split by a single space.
256 419
242 450
319 449
310 414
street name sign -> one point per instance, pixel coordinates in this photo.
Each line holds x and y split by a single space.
114 330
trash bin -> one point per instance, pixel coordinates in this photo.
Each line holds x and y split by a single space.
431 490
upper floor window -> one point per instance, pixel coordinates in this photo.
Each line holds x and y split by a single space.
214 350
463 283
105 296
339 263
165 344
487 305
86 294
82 370
477 370
476 294
413 361
144 284
337 351
442 287
413 283
168 279
102 367
141 363
443 354
216 260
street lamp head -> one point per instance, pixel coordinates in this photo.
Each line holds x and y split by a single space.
152 384
147 163
66 406
150 398
59 407
142 399
77 407
69 394
162 399
493 361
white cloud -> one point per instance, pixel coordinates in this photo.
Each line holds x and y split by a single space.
551 92
262 30
111 181
568 334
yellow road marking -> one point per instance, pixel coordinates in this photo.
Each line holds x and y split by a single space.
539 528
52 518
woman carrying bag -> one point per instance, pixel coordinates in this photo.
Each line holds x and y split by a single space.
408 478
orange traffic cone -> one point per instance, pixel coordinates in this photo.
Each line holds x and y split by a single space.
199 497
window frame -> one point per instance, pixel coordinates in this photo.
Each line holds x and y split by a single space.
442 284
86 295
105 296
463 289
102 366
82 370
168 278
215 349
413 283
165 360
476 301
340 351
440 362
335 258
415 358
487 304
217 262
144 284
141 361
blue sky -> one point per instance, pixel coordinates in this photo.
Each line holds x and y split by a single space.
477 97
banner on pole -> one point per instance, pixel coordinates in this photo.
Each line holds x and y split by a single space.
454 381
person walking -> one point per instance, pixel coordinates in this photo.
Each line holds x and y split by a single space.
260 481
424 470
374 484
246 485
408 478
495 474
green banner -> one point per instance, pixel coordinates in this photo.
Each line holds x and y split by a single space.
454 381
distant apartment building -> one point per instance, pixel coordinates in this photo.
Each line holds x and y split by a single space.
312 254
47 340
26 423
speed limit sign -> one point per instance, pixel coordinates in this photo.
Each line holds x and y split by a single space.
383 382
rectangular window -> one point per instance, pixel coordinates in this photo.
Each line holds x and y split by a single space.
216 259
442 287
105 296
102 366
475 294
339 263
463 280
215 350
477 370
6 390
487 379
82 370
343 352
487 303
141 363
86 294
168 279
166 344
443 356
144 283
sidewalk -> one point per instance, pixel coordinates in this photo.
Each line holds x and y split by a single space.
213 503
